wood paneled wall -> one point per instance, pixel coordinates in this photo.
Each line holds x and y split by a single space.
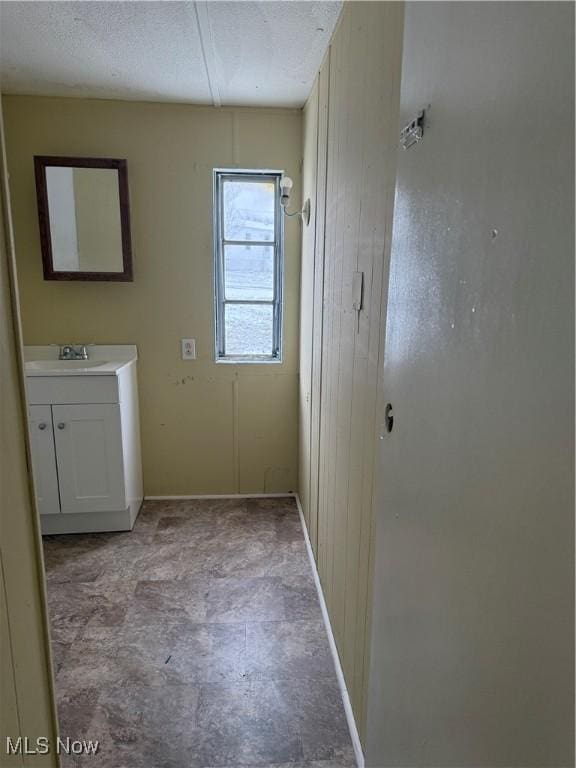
315 140
309 178
353 111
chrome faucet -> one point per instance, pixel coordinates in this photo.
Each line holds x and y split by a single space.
73 352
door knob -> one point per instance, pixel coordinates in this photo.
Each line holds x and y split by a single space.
61 425
388 417
42 426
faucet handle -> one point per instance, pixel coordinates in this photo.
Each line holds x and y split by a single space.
65 352
74 351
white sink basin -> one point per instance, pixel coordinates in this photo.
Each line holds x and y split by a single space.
105 360
64 365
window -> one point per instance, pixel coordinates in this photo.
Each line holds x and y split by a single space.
248 251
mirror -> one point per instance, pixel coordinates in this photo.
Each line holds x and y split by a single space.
84 218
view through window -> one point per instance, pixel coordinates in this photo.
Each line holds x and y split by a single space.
248 261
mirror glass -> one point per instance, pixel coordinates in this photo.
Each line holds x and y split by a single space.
84 213
84 218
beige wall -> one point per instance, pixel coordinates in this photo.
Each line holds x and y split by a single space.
473 642
206 428
354 107
26 699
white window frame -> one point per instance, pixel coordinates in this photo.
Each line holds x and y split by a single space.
220 176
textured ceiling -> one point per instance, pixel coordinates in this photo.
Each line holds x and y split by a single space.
216 52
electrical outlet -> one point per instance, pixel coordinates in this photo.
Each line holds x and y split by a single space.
188 349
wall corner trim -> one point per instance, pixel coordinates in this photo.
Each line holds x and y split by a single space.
339 673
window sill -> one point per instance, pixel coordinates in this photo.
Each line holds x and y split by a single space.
248 361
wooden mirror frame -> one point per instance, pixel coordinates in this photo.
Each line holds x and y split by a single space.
41 162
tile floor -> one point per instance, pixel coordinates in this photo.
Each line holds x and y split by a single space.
195 641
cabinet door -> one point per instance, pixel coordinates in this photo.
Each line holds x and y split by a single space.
89 455
44 460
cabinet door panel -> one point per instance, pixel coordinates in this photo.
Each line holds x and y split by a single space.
89 455
44 460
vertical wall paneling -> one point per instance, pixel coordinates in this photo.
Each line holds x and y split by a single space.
318 297
375 234
355 155
310 148
315 133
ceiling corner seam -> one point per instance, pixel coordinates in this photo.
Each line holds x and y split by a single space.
208 52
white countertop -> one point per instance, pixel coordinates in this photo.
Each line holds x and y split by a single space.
103 360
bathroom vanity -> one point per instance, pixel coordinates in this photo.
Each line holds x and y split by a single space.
85 438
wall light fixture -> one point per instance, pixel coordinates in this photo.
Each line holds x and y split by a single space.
286 185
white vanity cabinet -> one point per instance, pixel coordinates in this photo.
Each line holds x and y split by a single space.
77 456
44 459
85 445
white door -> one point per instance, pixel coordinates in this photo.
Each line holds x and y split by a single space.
473 619
44 460
89 455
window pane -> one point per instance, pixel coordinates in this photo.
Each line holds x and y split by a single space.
248 329
249 210
249 272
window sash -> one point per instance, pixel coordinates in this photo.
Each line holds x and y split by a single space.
220 177
260 243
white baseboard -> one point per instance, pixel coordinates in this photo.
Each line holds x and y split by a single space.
339 673
222 496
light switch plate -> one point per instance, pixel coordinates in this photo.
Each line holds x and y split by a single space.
188 349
